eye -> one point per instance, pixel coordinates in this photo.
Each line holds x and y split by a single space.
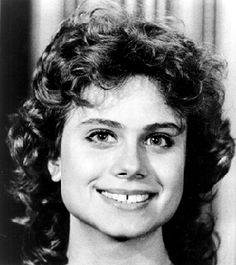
159 140
102 136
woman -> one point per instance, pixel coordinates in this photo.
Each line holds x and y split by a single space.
120 145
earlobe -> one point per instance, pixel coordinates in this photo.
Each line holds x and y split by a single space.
54 168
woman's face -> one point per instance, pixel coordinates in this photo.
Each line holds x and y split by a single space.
122 161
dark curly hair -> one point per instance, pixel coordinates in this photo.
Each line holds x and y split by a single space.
104 46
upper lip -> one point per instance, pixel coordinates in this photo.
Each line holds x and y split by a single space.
127 191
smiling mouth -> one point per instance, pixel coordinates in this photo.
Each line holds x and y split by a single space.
127 198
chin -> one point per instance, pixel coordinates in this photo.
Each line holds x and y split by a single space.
130 232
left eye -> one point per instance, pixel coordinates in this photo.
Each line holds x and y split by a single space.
159 140
102 136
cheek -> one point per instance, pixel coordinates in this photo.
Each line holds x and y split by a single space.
77 176
79 166
170 172
171 177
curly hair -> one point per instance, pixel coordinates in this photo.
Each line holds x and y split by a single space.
104 46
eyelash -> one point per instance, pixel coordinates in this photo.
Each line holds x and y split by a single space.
108 137
168 141
93 137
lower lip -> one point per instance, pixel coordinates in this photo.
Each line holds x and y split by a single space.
127 206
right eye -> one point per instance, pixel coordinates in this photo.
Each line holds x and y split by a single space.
102 136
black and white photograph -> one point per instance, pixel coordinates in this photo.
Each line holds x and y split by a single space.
117 132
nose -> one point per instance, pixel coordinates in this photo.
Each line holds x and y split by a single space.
131 162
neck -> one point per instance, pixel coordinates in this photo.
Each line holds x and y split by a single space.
88 246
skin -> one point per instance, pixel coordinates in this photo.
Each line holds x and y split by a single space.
128 142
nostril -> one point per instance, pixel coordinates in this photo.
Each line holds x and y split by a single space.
137 175
123 174
140 175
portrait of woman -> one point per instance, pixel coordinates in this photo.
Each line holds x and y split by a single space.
120 144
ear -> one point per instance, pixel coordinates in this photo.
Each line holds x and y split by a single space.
54 168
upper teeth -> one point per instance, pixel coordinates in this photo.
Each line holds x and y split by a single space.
126 198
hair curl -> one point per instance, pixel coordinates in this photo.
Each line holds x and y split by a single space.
104 46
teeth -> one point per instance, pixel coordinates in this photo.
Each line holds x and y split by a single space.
126 198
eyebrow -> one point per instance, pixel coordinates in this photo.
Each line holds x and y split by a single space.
109 123
150 127
166 125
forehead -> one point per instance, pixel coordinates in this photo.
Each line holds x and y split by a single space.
138 100
135 87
